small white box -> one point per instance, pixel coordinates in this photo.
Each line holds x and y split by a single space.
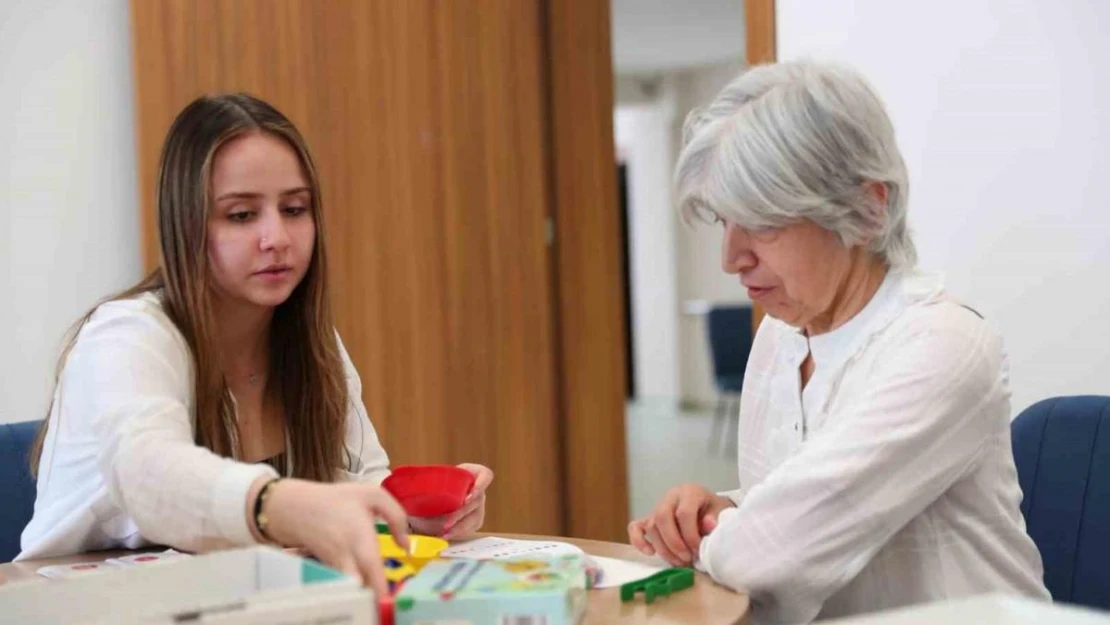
988 609
254 586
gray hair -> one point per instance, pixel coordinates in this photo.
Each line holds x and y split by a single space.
794 141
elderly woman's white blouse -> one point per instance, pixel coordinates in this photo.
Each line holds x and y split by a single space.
889 480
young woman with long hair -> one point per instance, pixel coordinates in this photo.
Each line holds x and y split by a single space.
213 404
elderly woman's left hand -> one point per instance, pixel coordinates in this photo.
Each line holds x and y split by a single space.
468 519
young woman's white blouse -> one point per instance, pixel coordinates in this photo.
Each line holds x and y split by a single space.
120 468
889 480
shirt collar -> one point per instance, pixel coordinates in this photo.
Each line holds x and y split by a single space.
898 291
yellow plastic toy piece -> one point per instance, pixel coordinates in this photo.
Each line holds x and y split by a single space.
396 572
422 549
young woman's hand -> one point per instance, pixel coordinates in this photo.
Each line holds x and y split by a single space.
462 523
336 524
675 528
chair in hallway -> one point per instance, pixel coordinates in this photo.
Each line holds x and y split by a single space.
730 341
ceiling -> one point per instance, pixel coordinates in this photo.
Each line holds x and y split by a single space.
652 36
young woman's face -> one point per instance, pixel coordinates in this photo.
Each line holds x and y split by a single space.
261 231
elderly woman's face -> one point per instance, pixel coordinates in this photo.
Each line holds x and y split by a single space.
794 272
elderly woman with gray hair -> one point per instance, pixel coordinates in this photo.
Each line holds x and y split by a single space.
875 468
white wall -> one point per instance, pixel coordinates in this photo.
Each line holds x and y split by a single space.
644 144
698 250
68 195
672 265
1003 112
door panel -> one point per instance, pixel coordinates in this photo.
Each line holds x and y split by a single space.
427 123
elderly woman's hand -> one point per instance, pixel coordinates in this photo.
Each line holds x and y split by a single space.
462 523
674 529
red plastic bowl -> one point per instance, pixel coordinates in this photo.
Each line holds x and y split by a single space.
429 490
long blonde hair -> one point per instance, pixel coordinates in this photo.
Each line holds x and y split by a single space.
305 360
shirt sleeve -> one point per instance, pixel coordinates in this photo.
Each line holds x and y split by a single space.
736 496
819 518
367 460
130 375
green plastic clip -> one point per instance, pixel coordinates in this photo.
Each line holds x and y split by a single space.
661 584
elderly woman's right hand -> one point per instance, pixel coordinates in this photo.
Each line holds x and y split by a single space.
336 524
674 529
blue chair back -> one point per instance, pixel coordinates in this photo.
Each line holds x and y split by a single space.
730 342
17 487
1062 452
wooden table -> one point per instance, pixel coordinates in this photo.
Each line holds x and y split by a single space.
706 602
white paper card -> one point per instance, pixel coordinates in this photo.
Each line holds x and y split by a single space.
494 548
615 572
69 571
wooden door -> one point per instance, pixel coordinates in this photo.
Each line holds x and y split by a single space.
589 278
429 124
759 43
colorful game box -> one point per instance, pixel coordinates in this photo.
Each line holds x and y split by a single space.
522 591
